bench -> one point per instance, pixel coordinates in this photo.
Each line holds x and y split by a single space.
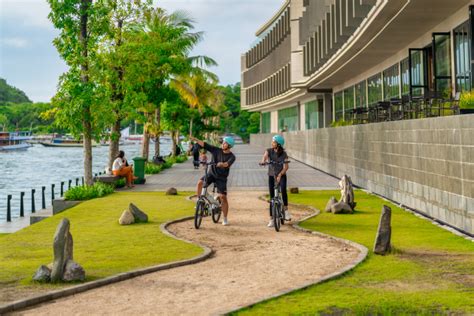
108 178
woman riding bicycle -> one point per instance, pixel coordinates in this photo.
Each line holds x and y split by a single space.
277 172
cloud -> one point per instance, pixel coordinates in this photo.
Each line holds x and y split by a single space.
26 12
15 42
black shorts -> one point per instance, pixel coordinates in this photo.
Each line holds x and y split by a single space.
221 184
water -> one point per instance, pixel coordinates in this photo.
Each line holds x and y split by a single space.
39 166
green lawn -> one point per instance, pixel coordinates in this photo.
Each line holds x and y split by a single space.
431 271
101 245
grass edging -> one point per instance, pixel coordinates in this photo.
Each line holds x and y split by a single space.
362 256
21 304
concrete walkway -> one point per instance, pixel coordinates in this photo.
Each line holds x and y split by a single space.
245 174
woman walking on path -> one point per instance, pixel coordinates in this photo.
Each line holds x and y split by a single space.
277 172
120 167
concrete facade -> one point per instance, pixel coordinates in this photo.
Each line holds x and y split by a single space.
425 164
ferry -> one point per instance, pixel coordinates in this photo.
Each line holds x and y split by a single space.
66 141
14 141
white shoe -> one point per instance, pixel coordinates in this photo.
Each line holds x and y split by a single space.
287 216
225 222
270 223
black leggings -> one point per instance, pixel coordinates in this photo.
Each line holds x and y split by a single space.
271 187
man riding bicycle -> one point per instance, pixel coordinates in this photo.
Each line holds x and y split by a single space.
223 159
277 172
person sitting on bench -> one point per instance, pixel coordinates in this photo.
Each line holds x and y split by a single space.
121 168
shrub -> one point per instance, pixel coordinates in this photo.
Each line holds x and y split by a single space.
82 193
341 123
151 168
467 100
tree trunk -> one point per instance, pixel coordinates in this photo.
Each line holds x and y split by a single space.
173 143
177 139
86 119
114 144
87 141
191 127
145 143
157 122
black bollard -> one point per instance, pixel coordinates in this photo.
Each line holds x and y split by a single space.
9 208
82 181
95 175
69 184
33 200
22 206
52 191
62 188
43 198
77 182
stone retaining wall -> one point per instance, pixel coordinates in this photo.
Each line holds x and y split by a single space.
425 164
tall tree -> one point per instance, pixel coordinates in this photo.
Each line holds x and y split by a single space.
79 99
124 16
199 89
162 48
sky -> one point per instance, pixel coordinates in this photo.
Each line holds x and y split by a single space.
30 62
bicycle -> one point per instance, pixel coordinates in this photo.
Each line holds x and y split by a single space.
276 203
206 204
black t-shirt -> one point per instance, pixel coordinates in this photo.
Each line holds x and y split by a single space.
218 155
195 149
274 170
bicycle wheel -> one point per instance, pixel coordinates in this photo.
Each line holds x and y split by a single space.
216 214
199 214
276 216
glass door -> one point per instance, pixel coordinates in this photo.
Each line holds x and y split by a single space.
442 64
417 63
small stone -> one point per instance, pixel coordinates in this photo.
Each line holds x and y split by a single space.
126 218
294 190
73 272
172 191
43 274
139 215
330 203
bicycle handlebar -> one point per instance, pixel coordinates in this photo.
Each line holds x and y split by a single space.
271 162
207 163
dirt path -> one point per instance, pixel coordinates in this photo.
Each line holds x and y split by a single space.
251 262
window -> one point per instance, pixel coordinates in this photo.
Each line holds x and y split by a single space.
266 124
375 89
360 95
348 103
462 49
313 114
442 61
404 70
338 107
418 81
288 119
391 83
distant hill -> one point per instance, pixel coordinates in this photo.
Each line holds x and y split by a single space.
11 94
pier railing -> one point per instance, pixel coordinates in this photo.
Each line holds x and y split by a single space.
17 210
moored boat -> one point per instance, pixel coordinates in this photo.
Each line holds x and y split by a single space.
14 141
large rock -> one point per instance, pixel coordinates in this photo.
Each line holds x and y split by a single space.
330 203
62 247
43 274
139 215
384 232
73 272
172 191
126 218
347 191
341 207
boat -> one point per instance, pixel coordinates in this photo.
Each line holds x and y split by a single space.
65 142
14 141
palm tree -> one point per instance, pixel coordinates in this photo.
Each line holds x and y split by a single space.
198 89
